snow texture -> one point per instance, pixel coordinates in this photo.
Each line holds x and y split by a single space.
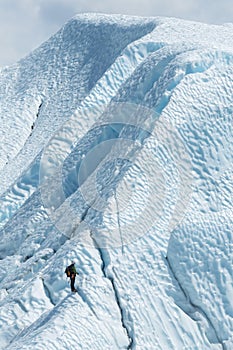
116 140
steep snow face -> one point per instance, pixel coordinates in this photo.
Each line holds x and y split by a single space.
128 170
43 89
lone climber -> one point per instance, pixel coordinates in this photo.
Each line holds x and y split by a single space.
71 272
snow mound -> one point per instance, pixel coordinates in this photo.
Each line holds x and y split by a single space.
116 151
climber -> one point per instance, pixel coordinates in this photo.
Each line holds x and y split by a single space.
71 272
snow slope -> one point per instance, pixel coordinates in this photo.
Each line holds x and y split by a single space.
116 151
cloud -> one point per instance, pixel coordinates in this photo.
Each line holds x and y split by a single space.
57 11
25 24
17 21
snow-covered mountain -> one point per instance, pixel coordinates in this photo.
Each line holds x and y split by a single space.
116 141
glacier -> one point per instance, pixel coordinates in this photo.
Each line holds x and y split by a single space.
116 152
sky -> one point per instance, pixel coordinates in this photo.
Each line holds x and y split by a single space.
25 24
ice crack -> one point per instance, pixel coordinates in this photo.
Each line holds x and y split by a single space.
47 292
194 306
126 320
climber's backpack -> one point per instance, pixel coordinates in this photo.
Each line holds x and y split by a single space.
68 271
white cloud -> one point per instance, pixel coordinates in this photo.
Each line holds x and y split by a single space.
25 24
